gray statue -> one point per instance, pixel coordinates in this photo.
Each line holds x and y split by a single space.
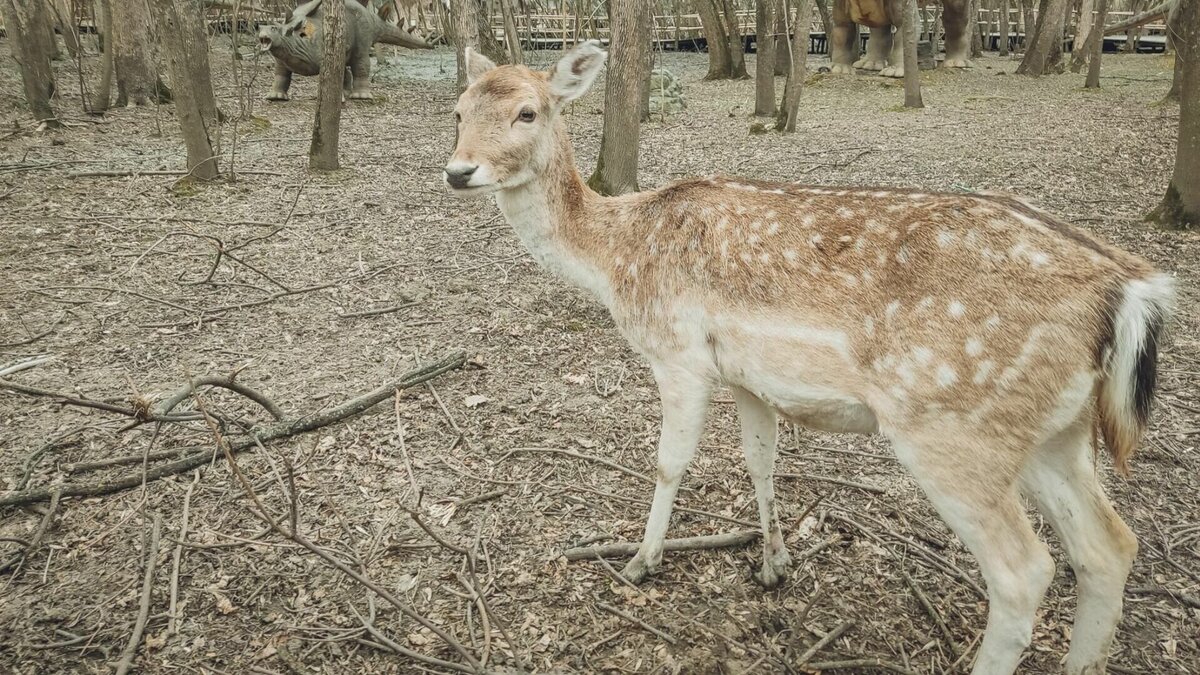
297 46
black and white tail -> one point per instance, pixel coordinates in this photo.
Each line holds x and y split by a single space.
1130 362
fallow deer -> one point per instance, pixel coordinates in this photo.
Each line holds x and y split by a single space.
985 338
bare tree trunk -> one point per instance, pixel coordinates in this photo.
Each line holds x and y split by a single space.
789 112
1043 54
975 36
764 70
489 46
1132 35
1176 78
1097 48
511 38
137 79
1180 208
1003 28
32 55
323 153
737 51
912 70
1028 23
65 18
783 58
103 94
177 21
616 167
464 23
1083 27
719 62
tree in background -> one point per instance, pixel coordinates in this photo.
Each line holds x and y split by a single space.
764 69
1180 207
628 71
1043 51
180 28
31 48
726 57
323 153
103 94
789 110
133 61
464 32
912 71
1003 28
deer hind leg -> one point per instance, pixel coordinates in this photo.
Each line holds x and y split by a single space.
759 431
684 401
1062 479
980 503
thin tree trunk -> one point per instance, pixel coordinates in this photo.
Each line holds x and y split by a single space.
511 37
1028 23
1097 48
764 69
1176 77
137 79
912 70
629 29
489 46
32 55
1043 55
783 58
1180 207
1083 27
737 51
973 30
103 94
789 112
177 21
465 33
1003 28
323 153
66 20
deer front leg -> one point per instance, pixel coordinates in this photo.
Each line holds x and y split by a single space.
684 401
283 82
360 70
759 431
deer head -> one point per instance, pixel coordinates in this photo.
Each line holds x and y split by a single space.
507 119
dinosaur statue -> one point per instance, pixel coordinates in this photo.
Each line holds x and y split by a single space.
884 53
297 46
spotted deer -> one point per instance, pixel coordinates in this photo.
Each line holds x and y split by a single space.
986 339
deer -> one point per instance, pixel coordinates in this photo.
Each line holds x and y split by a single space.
989 341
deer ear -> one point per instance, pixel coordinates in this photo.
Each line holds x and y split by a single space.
575 72
477 65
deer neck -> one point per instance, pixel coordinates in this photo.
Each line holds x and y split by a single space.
559 218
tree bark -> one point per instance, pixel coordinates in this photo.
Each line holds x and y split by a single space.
323 153
187 59
789 112
103 94
489 46
32 55
1027 23
719 64
1003 28
1095 46
912 70
464 22
137 79
764 69
616 167
1180 208
511 37
1083 27
64 11
1043 53
737 51
973 31
783 58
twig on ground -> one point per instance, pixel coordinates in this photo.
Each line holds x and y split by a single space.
1181 598
177 560
712 541
24 365
376 312
265 434
137 413
135 173
931 611
223 382
84 467
579 455
139 626
403 651
633 619
485 497
823 642
836 481
400 432
858 664
34 338
36 541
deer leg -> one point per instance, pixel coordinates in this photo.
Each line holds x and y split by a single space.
878 48
979 501
759 430
283 82
1062 480
684 401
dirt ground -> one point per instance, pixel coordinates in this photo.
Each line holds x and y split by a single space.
102 273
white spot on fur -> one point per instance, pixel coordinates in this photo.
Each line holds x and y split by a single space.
869 325
773 228
983 371
845 212
891 309
633 270
753 240
956 309
906 373
808 219
814 240
946 375
790 255
993 322
849 279
923 355
974 347
925 303
902 255
945 238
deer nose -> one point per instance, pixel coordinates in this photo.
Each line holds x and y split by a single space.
458 176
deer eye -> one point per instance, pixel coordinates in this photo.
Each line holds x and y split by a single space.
527 115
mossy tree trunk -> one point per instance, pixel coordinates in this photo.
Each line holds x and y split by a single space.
1180 208
323 153
628 70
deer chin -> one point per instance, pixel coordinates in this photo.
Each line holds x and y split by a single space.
474 190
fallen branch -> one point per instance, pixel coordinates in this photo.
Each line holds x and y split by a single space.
377 312
726 540
24 365
633 619
139 626
264 434
142 414
824 642
592 458
834 480
930 610
1181 598
35 338
485 497
858 664
1157 12
224 383
37 536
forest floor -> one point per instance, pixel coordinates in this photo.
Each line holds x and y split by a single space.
114 278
